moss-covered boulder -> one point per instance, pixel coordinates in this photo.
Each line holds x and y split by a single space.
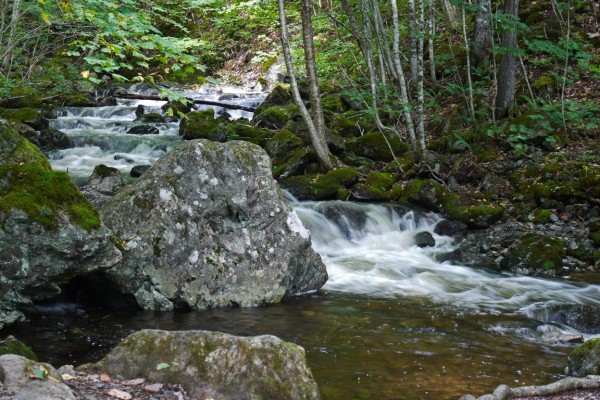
14 149
214 365
28 116
535 254
281 95
12 345
49 232
334 103
329 186
151 118
375 146
434 196
376 187
202 125
585 359
247 131
275 117
351 124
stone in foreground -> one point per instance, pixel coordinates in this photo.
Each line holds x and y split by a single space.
214 365
207 227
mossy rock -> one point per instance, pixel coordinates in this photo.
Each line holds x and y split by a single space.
75 99
544 85
351 124
28 116
12 345
595 237
201 125
294 164
275 117
333 103
281 95
542 217
585 359
378 186
151 118
14 149
43 195
332 185
374 146
535 254
436 197
22 96
282 144
246 131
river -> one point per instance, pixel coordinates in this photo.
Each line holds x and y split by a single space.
391 322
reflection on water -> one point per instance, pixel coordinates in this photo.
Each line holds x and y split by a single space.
358 346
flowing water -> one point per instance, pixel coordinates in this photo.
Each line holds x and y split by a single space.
391 323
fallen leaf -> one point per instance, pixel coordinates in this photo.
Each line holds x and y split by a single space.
154 388
133 382
104 378
119 394
67 377
162 366
38 372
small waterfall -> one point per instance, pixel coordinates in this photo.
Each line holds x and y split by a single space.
370 249
99 135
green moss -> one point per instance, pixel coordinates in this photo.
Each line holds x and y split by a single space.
380 180
14 149
275 117
12 345
333 103
42 194
540 252
595 236
544 82
281 95
542 217
374 146
21 114
199 125
331 185
582 351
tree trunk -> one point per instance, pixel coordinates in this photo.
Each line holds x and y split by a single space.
506 73
400 72
482 41
420 81
317 136
450 14
12 37
431 28
412 39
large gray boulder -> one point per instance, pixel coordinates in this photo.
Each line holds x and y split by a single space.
214 365
206 227
49 233
24 379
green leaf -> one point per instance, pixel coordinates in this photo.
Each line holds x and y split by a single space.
162 366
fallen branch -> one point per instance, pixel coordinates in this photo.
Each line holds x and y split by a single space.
504 392
135 96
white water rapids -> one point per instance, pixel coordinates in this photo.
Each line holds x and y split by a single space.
368 249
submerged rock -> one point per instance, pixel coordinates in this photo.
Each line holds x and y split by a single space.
214 365
424 239
585 359
206 226
49 232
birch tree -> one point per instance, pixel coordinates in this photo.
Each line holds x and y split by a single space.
316 126
482 40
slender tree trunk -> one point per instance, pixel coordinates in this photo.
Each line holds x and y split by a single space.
412 39
317 137
420 80
12 37
400 72
507 69
431 28
468 59
4 11
482 40
381 32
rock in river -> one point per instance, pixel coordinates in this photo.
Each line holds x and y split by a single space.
214 365
205 227
49 233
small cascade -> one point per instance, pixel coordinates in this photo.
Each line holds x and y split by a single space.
370 249
100 135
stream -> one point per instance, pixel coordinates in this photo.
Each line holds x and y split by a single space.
391 323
